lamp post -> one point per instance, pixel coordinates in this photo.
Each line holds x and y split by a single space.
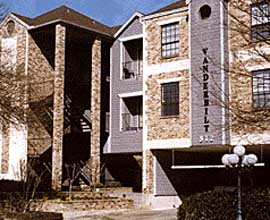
239 159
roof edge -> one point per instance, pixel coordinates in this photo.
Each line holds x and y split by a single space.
136 14
13 16
156 15
70 23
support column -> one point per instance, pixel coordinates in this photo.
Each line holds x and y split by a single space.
5 147
95 111
58 107
148 172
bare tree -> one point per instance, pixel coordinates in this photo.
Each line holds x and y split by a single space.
12 80
30 177
31 180
248 28
73 172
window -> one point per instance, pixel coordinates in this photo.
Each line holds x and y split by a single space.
170 40
205 12
131 113
10 27
170 99
107 122
261 88
260 22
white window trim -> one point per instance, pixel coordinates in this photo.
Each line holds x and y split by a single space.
122 55
130 94
169 21
170 42
126 95
170 80
131 37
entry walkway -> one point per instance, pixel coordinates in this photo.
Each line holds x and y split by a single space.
127 215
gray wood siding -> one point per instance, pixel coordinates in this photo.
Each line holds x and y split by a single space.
123 141
133 29
206 34
164 175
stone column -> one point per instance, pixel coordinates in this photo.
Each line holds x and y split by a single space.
58 107
148 172
95 111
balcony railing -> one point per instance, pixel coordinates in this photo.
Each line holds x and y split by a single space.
132 69
131 122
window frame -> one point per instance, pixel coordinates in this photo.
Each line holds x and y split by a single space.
171 108
258 28
264 93
165 42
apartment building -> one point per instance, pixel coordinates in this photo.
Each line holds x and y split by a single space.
187 83
205 90
63 58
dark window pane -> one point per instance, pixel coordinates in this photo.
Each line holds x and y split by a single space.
260 14
261 88
170 99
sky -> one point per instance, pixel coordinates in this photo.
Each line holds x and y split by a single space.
109 12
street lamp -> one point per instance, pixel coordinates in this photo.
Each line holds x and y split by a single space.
238 160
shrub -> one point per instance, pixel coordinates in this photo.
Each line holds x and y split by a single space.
215 205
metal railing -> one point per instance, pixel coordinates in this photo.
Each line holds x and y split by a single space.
132 69
131 122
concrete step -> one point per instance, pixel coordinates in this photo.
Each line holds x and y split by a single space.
137 198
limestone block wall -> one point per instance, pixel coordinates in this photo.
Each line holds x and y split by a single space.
248 125
40 87
40 72
167 127
153 38
158 70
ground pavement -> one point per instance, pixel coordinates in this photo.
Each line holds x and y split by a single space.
125 215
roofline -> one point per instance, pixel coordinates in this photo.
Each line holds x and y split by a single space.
127 23
70 23
156 15
11 15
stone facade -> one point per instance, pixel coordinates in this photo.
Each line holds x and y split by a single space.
247 54
82 205
40 86
95 111
13 49
158 127
58 108
167 127
153 38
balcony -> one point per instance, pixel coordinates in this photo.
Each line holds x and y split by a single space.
132 59
132 69
131 122
131 113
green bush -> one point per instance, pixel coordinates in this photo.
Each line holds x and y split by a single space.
216 205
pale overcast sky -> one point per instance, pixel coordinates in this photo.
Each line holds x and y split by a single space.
109 12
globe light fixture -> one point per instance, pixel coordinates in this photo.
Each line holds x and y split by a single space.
239 150
238 160
251 159
225 160
233 159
